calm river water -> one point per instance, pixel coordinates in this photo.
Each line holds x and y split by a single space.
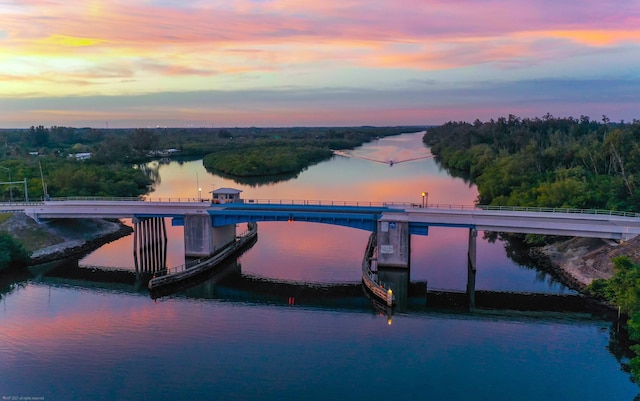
66 337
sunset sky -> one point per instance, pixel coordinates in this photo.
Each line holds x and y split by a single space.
175 63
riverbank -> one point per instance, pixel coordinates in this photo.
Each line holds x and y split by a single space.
578 261
59 239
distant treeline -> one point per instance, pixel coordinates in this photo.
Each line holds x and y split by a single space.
548 161
288 151
109 155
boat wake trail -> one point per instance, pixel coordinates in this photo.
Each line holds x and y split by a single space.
390 162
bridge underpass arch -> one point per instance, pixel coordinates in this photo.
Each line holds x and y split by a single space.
308 252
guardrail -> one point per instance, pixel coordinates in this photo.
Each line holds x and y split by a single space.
14 203
558 210
96 198
302 202
127 199
305 202
16 207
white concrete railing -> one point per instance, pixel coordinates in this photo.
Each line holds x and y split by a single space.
302 202
558 210
305 202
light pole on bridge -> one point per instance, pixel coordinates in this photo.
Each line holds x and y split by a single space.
199 188
425 199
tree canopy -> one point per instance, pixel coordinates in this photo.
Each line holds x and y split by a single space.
552 162
11 252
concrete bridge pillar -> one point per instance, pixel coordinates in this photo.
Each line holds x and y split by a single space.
471 268
398 281
201 240
393 244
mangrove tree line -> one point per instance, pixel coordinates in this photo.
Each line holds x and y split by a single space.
551 162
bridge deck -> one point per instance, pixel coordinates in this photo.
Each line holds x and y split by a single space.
563 222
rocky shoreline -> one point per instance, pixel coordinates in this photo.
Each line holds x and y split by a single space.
58 239
576 262
73 248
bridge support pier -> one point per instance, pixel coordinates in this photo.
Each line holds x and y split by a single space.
398 281
149 244
393 244
202 240
471 268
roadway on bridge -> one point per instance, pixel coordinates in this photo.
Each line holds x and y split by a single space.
562 222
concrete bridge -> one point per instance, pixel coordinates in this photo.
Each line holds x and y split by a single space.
531 220
397 219
207 226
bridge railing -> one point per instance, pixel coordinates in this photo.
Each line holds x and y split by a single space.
451 206
127 199
559 210
14 203
306 202
303 202
95 198
529 209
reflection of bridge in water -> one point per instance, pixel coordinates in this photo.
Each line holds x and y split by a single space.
227 283
149 244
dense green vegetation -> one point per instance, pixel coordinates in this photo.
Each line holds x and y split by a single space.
553 162
46 159
623 289
256 160
67 177
237 152
202 141
11 252
275 152
281 151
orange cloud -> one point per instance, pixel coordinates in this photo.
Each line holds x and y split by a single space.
595 37
70 41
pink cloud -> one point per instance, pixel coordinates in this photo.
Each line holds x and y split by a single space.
136 23
56 47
